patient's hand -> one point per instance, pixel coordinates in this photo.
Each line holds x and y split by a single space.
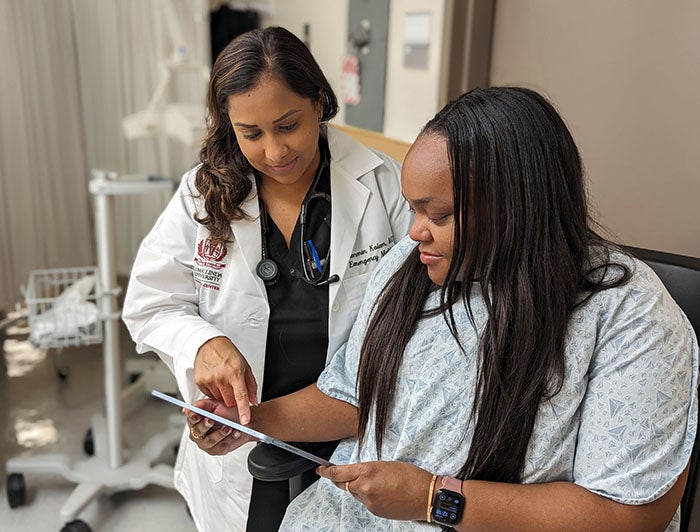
393 490
210 436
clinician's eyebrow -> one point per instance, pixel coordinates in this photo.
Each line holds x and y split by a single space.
275 121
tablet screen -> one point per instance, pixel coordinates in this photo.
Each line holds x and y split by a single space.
242 428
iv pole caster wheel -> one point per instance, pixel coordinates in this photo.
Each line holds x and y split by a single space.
16 490
89 443
76 526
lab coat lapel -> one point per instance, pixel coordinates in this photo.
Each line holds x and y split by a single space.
349 198
246 232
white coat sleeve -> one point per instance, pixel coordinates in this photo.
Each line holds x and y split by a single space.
161 306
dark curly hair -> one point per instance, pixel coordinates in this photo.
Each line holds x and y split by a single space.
223 179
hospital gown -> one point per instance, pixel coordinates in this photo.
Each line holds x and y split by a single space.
622 426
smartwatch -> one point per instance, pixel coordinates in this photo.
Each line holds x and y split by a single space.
448 503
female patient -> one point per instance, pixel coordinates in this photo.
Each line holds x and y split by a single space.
509 368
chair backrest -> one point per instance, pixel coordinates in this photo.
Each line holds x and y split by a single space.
681 277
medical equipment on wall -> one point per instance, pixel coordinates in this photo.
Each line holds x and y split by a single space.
166 120
78 306
184 122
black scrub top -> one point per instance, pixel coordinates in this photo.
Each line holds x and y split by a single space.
297 334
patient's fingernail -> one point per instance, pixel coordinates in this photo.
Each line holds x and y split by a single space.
226 431
236 435
195 418
208 422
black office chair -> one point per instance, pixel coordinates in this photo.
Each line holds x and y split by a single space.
272 464
681 276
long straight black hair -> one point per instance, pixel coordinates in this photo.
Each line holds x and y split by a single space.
533 249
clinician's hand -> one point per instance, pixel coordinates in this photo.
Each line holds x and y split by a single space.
393 490
223 373
210 436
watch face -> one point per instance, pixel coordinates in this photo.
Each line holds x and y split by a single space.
447 507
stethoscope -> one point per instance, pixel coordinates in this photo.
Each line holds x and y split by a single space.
313 267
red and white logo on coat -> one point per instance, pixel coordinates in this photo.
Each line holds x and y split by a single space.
211 254
208 263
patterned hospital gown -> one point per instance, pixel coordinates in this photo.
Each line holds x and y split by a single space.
622 426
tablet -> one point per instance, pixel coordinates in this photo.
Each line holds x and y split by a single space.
242 428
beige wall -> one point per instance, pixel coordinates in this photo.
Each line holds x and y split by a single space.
412 95
328 20
625 75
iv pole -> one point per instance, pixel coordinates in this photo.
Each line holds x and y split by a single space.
104 186
106 471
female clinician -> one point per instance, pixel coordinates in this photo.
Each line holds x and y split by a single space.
255 271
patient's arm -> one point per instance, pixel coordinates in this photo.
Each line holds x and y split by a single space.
397 490
306 415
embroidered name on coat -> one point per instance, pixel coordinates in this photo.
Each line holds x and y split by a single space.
371 253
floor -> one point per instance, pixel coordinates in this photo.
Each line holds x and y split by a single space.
42 413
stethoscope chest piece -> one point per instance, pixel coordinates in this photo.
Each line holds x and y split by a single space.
268 271
314 269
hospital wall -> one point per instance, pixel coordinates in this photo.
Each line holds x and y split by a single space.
624 75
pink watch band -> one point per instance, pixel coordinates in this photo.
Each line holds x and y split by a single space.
451 484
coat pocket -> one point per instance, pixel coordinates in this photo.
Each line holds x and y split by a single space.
193 464
214 466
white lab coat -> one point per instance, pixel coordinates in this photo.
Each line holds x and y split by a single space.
182 293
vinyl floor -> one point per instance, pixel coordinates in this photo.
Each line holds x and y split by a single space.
43 413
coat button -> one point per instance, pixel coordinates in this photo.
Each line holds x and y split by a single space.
335 307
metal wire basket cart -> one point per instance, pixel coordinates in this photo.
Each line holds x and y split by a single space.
62 307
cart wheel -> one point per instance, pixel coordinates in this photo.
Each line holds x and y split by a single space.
62 374
16 490
89 443
76 526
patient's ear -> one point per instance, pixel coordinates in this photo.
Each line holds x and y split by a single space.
319 106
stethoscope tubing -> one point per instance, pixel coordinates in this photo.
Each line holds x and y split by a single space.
268 270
